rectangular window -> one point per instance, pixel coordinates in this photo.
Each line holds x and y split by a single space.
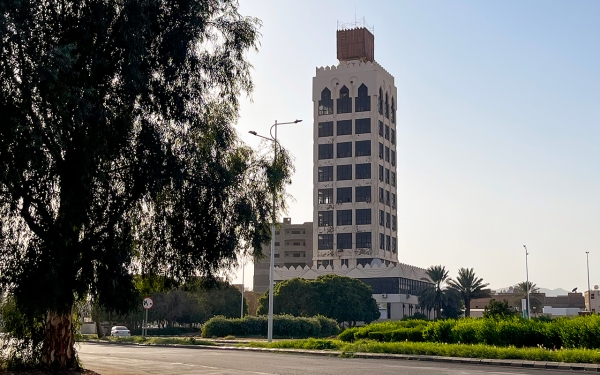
393 137
381 217
387 219
387 243
362 125
325 218
325 107
363 240
363 148
363 194
380 195
344 127
380 151
344 217
381 241
276 243
394 244
325 173
394 222
344 241
325 196
344 195
387 154
393 157
393 200
326 129
326 151
344 262
387 132
387 176
393 179
344 172
381 128
363 170
363 216
344 150
381 173
325 242
362 103
344 105
387 197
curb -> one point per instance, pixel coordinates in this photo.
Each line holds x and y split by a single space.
588 367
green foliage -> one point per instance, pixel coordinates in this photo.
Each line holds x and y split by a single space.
119 154
283 326
167 331
498 310
23 336
439 349
341 298
438 296
579 332
398 330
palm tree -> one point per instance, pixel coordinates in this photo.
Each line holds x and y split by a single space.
468 286
536 298
434 296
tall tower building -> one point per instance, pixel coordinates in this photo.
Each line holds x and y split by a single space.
354 157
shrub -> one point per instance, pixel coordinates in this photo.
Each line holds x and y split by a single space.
167 331
283 326
439 331
348 334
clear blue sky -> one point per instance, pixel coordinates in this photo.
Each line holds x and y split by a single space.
498 131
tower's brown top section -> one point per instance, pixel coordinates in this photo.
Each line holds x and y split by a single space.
355 44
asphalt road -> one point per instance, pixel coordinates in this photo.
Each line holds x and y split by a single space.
108 359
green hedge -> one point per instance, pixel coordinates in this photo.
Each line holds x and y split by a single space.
411 330
579 332
167 331
283 326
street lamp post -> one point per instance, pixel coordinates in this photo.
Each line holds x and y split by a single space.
587 255
243 275
272 257
527 281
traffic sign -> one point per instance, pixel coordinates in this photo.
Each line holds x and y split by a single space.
148 303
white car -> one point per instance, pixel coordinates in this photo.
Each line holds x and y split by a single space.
120 331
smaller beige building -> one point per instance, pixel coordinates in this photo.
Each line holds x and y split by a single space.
293 248
592 300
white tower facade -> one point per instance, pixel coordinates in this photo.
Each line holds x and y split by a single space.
355 158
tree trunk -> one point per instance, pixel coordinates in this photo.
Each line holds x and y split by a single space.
58 349
467 308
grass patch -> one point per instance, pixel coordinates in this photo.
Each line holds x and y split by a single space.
439 349
158 340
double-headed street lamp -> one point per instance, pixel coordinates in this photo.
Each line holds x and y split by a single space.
272 257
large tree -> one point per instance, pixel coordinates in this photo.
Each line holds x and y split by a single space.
469 286
118 155
342 298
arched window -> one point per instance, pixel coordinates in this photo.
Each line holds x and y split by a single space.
380 102
387 106
344 103
393 111
363 102
326 103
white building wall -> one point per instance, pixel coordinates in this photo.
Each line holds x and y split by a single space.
352 74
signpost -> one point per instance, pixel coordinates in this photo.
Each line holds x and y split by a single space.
147 303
